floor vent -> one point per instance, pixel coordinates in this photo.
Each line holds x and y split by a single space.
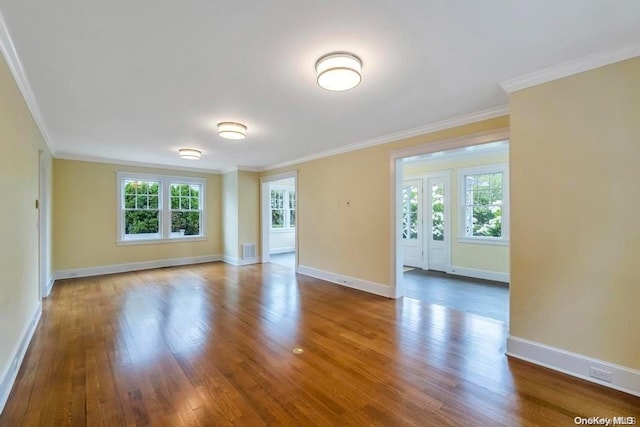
248 250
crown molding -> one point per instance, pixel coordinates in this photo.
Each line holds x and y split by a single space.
570 68
241 169
79 158
465 119
471 152
8 50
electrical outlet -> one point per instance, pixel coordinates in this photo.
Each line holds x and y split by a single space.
600 374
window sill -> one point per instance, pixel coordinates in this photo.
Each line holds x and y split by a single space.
160 241
483 241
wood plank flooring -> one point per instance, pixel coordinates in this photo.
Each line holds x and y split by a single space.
211 345
482 297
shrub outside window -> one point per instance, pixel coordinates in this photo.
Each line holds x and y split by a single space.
484 204
156 208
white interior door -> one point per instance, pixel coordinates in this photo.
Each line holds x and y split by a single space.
412 223
437 232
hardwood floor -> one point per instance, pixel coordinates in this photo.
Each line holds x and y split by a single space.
482 297
212 344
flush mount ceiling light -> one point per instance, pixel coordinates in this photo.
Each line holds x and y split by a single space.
189 153
339 71
232 130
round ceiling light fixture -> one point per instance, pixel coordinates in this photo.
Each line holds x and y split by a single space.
232 130
339 71
189 153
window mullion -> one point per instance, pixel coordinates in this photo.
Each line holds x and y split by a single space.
165 210
285 206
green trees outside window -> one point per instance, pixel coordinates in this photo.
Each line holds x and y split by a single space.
437 205
142 214
185 209
147 202
410 212
283 209
483 205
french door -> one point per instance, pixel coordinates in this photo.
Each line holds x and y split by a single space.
437 230
412 223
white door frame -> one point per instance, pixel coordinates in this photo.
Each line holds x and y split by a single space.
43 230
396 173
265 212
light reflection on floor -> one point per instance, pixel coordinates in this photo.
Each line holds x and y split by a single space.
441 336
153 319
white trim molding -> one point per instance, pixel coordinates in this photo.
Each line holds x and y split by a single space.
265 211
50 283
462 120
348 281
8 378
122 162
480 274
280 176
134 266
8 50
622 378
570 68
494 135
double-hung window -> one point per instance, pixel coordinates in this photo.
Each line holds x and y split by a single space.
156 208
185 209
484 204
283 209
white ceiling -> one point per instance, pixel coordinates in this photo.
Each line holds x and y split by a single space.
136 80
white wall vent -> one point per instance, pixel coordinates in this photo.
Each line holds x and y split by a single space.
248 250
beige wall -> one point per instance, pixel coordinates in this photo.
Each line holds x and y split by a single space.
466 255
230 213
85 218
241 206
248 209
19 166
575 240
355 241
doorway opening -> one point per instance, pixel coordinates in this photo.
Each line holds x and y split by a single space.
279 220
452 226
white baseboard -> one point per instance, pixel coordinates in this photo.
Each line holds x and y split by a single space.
239 262
9 377
135 266
480 274
50 285
350 282
623 378
276 251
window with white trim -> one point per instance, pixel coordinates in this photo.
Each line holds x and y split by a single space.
185 209
156 208
484 204
283 209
